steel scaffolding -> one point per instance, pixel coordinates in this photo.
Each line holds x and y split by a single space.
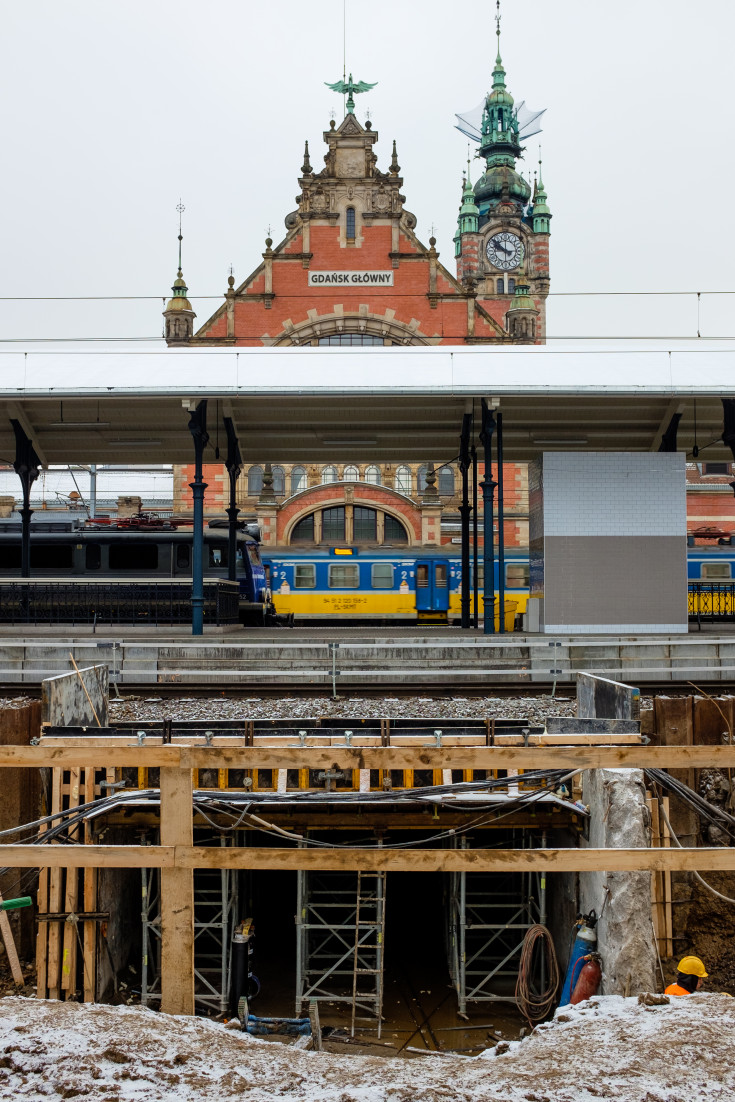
488 915
215 915
340 938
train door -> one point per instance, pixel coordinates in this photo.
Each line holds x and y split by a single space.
432 589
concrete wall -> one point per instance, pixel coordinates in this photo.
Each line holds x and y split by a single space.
607 541
77 699
619 818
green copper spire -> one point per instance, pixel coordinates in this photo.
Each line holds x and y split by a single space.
469 215
350 88
541 212
179 288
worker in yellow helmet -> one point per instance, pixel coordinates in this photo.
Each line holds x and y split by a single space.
689 975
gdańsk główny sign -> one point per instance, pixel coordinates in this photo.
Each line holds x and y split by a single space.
351 279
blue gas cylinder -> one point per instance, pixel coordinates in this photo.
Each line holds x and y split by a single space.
584 943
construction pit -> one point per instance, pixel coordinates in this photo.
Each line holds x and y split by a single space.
407 948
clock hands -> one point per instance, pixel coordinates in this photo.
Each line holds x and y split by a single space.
502 248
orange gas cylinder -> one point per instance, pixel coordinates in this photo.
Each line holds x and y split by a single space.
589 979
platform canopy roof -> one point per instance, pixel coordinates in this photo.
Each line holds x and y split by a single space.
361 404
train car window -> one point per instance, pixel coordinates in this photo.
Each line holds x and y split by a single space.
133 556
9 557
716 570
440 577
480 574
333 525
304 575
404 481
382 575
298 479
255 481
183 556
253 554
304 530
217 554
52 556
365 522
516 575
422 575
344 575
93 556
393 531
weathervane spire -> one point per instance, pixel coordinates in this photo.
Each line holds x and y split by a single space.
180 208
350 88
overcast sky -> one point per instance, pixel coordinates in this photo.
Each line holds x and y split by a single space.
110 112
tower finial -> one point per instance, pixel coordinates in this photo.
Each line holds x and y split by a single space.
180 208
497 24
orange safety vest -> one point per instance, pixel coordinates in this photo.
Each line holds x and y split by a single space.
675 989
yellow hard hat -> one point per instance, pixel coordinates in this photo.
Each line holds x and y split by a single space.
692 966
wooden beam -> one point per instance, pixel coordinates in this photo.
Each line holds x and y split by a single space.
177 895
379 757
187 858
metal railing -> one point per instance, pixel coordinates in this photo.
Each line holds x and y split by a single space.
108 603
711 602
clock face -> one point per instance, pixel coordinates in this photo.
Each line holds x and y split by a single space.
505 251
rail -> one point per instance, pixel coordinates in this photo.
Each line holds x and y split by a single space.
711 603
107 604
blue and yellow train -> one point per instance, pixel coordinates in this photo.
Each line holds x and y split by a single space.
350 583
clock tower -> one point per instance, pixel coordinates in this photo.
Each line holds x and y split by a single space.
502 239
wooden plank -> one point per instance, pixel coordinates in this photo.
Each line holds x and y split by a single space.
668 920
186 858
70 943
177 896
54 897
383 757
10 949
89 964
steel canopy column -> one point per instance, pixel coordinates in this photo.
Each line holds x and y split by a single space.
26 466
475 584
488 490
501 529
198 430
464 512
233 464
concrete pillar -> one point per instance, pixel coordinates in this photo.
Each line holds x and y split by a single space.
129 505
619 818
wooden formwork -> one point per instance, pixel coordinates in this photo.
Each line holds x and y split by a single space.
177 857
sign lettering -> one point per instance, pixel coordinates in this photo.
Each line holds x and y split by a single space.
330 279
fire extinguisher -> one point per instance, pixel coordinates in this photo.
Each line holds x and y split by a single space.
588 980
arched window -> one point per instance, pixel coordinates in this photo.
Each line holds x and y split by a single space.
298 480
350 224
404 481
365 522
304 530
333 525
352 339
421 479
329 474
446 481
372 475
351 474
255 481
501 286
394 532
279 481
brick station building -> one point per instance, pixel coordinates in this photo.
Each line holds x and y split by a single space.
352 271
